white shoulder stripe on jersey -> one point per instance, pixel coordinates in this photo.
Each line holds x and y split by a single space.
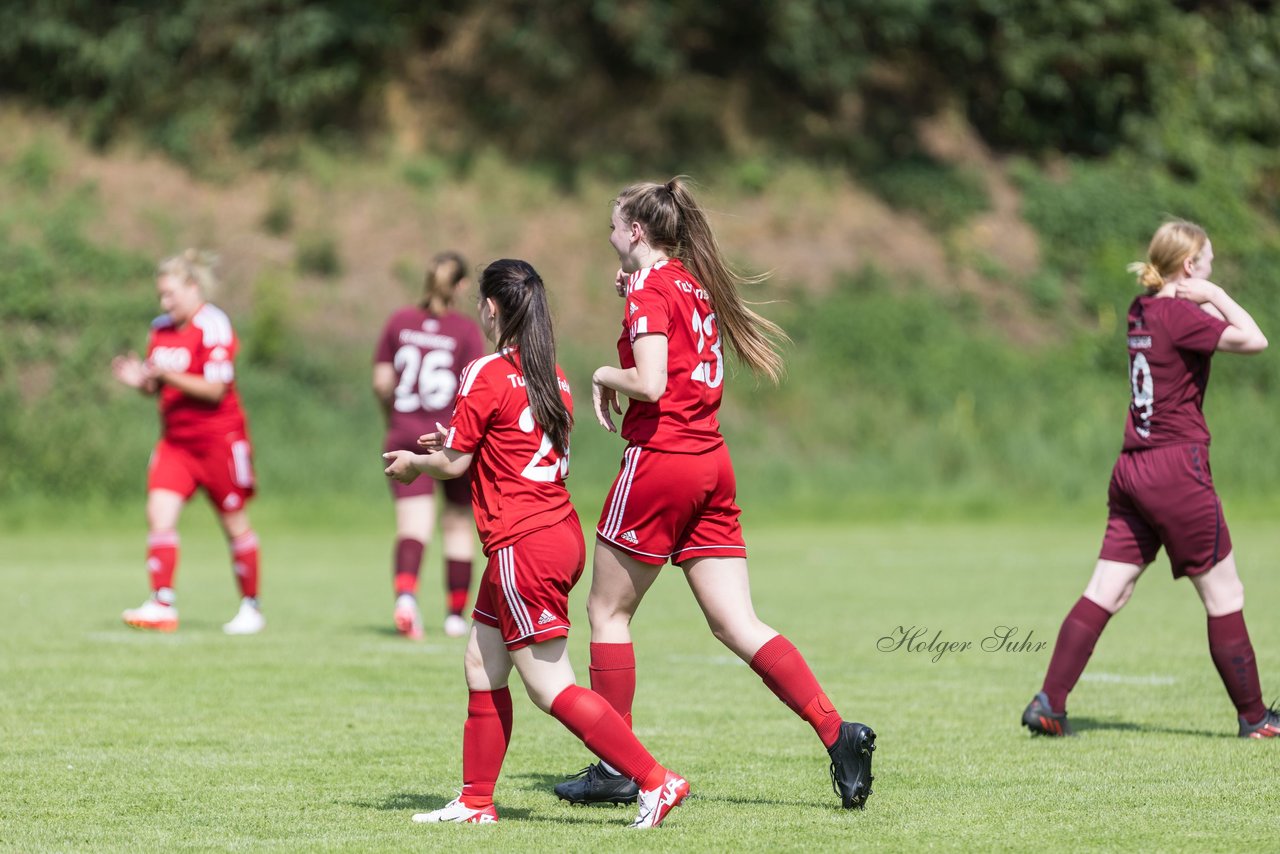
215 324
473 370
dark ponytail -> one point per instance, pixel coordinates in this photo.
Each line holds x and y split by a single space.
525 323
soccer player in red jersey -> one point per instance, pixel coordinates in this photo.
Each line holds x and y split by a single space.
416 367
510 428
675 498
1161 491
204 442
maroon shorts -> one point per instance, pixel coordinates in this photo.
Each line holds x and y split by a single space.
673 507
456 490
1164 496
223 469
524 591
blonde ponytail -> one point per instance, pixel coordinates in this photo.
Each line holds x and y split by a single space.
1173 243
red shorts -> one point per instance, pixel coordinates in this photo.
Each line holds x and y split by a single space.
673 507
524 591
223 469
1164 496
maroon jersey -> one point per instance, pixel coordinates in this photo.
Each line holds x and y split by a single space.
1170 344
427 352
666 300
517 478
206 347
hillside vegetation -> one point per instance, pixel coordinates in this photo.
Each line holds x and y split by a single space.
946 194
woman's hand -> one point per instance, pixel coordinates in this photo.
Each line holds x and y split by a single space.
620 280
433 442
401 466
603 399
132 371
1199 291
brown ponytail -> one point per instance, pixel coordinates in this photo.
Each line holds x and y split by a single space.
440 284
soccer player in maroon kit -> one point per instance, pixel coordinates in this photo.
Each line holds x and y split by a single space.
1161 491
416 367
675 497
510 427
190 367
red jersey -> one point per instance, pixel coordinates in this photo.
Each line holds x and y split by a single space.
517 478
1170 344
428 353
666 300
206 346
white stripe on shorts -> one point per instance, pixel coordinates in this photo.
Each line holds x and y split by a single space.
507 575
618 507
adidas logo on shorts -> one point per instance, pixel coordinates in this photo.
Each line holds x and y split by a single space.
630 537
546 617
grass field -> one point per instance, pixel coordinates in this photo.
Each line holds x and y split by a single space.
328 731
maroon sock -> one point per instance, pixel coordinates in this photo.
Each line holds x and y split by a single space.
1076 639
485 737
457 580
613 675
1233 656
590 717
785 671
408 561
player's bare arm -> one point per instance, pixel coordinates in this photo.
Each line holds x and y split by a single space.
193 385
384 385
647 381
1243 335
446 464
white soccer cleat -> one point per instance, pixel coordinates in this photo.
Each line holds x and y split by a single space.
656 803
455 626
457 811
152 615
247 621
408 618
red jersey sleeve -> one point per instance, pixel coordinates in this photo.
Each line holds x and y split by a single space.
648 309
1192 328
473 411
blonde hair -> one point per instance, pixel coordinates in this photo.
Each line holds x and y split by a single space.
193 265
440 284
1173 243
674 223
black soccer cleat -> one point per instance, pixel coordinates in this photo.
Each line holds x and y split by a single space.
594 785
1041 719
851 764
1268 727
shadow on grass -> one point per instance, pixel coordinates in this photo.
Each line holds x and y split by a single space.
1083 725
412 802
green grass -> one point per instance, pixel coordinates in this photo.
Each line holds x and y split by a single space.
328 731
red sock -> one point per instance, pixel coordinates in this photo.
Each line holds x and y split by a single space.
1233 656
408 560
785 671
162 559
590 717
457 580
1076 639
613 675
244 562
485 737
